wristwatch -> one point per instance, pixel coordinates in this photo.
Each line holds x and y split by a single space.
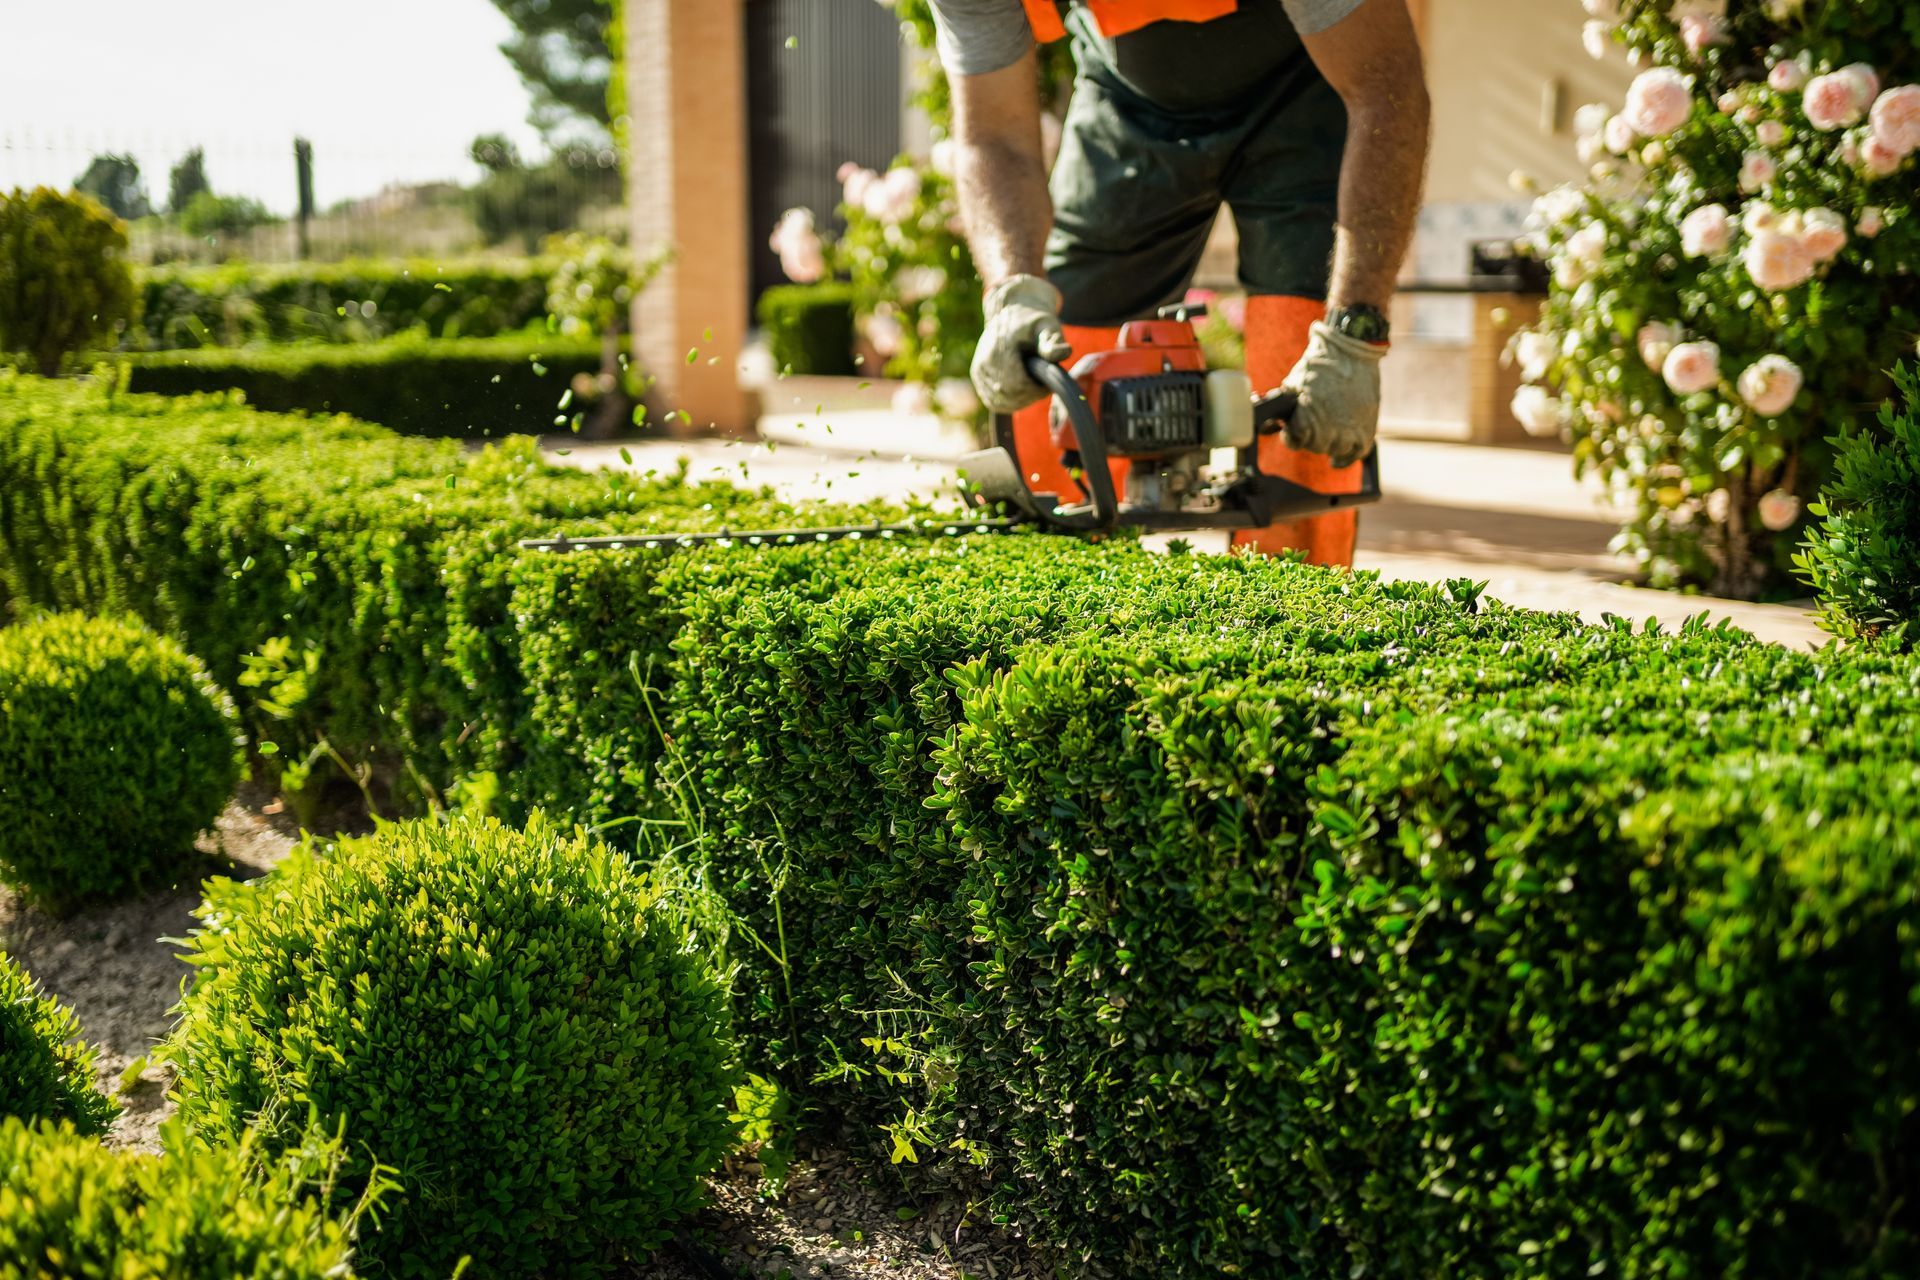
1361 321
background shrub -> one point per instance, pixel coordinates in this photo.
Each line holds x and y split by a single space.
423 386
65 284
208 215
809 328
518 1023
71 1208
1862 556
46 1073
116 749
240 303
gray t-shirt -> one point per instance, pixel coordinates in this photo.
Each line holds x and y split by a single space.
978 36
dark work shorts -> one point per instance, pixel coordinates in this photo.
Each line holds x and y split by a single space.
1136 189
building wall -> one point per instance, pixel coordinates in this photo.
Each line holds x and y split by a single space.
1506 77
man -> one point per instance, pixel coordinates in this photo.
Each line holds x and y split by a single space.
1308 118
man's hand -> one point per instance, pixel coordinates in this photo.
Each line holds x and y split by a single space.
1023 319
1338 382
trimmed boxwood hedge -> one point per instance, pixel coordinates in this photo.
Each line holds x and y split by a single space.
470 387
1229 916
46 1071
240 303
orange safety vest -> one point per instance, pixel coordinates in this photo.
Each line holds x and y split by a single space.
1118 17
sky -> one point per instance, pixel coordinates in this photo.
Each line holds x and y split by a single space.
387 90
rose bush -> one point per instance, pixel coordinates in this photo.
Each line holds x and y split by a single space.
1736 275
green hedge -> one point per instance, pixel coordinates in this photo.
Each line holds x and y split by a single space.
348 586
809 327
568 1064
71 1208
240 303
1230 916
46 1071
116 750
521 383
1862 554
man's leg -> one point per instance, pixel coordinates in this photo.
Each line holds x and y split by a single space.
1277 331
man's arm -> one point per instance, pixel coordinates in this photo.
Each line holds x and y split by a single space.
1372 59
1001 169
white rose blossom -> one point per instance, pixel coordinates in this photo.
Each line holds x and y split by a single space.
1537 410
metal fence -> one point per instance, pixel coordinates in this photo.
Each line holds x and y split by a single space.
378 200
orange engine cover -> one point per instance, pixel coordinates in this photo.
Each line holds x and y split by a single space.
1146 348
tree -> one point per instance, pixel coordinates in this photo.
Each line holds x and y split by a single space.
65 283
561 55
114 181
189 179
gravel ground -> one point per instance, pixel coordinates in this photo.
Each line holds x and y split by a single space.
834 1218
113 965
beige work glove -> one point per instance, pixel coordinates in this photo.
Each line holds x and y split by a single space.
1023 319
1338 381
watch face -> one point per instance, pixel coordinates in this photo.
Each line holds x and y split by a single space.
1364 323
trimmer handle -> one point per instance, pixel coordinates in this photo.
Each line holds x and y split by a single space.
1274 410
1087 440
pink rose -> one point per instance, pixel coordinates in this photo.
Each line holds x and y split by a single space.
1692 367
1759 216
1595 37
1866 82
1658 102
1728 102
1778 261
1618 135
1234 311
1824 233
884 331
1878 159
1872 222
1787 77
1656 340
1772 133
1771 384
1537 410
1757 170
801 254
1706 232
1778 510
1699 32
1834 101
1896 119
855 183
1608 9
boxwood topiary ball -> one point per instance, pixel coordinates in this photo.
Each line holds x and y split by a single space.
518 1024
45 1072
116 749
72 1208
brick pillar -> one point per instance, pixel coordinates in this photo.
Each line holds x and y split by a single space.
1490 382
687 189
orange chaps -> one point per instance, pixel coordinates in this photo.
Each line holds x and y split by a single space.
1277 332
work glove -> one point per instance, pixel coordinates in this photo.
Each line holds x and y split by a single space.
1338 382
1023 319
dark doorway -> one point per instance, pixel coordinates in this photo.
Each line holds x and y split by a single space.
823 88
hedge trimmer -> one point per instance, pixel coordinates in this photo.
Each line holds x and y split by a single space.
1150 402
